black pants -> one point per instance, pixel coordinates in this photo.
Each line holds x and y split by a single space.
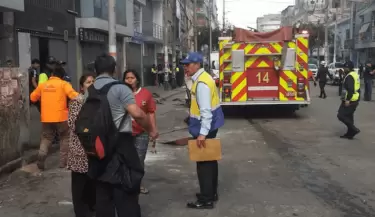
208 172
322 91
368 90
340 88
83 194
112 199
346 116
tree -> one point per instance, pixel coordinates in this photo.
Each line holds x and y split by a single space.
316 33
204 37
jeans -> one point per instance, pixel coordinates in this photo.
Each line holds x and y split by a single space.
368 90
208 172
141 144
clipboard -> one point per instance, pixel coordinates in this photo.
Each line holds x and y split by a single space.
211 152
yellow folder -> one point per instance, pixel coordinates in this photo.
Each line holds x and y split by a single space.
211 152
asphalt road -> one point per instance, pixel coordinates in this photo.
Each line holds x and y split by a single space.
274 164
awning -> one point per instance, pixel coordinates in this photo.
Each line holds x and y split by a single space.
364 28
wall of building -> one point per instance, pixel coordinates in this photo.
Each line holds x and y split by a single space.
14 105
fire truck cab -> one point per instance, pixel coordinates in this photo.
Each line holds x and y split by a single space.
264 68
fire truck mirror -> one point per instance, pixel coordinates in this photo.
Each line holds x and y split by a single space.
288 59
238 60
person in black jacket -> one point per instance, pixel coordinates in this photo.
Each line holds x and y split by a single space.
322 78
368 75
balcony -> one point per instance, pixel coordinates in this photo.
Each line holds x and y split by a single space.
12 5
365 36
153 33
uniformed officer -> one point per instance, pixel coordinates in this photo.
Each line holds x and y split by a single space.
350 99
206 117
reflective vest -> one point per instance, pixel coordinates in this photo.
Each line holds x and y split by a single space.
153 70
357 85
195 115
43 77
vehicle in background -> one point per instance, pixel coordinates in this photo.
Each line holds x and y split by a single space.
314 69
264 68
214 57
334 69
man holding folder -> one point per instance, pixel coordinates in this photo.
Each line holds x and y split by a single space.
206 117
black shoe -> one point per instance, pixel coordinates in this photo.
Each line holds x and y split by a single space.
200 205
216 196
351 135
40 162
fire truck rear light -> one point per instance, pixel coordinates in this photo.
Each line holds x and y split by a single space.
301 84
226 79
226 93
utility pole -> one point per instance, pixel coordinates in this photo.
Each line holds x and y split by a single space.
165 35
351 47
112 28
175 30
195 27
210 5
223 16
326 17
318 54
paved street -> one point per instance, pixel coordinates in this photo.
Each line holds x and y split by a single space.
274 165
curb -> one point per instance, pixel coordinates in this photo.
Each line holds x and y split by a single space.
27 157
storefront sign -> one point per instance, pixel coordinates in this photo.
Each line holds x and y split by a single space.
137 38
88 35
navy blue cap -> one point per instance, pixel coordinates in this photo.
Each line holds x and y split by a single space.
349 64
192 57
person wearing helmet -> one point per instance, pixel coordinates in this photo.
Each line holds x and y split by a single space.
350 100
322 78
50 67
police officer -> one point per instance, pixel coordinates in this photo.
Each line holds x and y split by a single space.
350 99
206 117
322 78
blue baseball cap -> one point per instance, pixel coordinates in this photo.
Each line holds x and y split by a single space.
192 57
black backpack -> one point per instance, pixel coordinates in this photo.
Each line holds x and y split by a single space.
94 125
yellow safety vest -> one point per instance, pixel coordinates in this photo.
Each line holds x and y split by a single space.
357 85
195 115
177 69
153 70
42 78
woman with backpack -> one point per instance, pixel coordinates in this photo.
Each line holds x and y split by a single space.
146 102
82 187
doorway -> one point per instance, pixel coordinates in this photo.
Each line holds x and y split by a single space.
43 51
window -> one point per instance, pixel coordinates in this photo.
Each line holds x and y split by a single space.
347 34
362 19
101 10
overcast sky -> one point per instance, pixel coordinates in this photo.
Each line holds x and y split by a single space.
243 13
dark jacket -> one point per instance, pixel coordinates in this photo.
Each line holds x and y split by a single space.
366 73
322 74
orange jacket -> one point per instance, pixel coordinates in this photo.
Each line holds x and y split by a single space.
53 96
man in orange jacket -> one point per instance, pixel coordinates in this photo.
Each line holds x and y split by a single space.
53 95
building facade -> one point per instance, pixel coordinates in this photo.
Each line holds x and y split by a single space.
287 16
268 22
364 31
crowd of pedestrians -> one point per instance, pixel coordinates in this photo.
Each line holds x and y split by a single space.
104 130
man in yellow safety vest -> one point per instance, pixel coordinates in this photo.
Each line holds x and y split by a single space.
350 100
206 117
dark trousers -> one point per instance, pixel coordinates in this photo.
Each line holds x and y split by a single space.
368 90
83 194
346 116
322 91
340 88
112 199
208 172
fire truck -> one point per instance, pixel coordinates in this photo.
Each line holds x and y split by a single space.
268 68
